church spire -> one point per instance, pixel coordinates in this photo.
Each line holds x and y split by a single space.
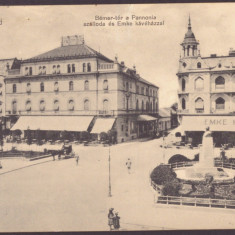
189 23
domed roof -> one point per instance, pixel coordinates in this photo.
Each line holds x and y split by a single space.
189 36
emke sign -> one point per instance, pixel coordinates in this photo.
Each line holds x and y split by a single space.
216 123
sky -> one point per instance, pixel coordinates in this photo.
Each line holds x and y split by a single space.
27 31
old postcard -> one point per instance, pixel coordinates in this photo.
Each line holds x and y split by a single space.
117 117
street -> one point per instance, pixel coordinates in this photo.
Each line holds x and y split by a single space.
63 196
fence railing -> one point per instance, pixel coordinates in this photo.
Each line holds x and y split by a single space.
222 164
196 201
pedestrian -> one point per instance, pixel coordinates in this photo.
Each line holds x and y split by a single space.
77 159
53 155
110 218
116 221
128 164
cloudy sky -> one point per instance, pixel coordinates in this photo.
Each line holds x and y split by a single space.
27 31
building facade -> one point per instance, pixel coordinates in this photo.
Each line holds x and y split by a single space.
206 86
75 80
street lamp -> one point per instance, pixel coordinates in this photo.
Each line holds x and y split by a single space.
110 195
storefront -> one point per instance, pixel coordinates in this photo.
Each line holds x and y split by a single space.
146 125
221 126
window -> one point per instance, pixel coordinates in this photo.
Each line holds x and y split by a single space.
14 107
86 85
71 85
44 70
26 71
8 66
40 70
122 127
219 82
183 104
184 65
137 104
71 105
56 105
28 105
42 105
73 68
86 104
199 105
137 89
54 69
84 67
142 106
105 105
156 106
199 65
58 69
219 65
127 86
147 91
42 87
147 106
88 67
199 84
56 86
14 90
220 103
28 88
188 48
183 84
142 90
151 106
30 71
105 85
68 68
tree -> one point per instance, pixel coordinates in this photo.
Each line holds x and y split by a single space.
162 174
178 158
171 188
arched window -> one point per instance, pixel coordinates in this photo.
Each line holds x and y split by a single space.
220 103
147 106
199 105
40 70
142 106
56 86
156 106
71 85
44 70
14 90
54 69
71 105
88 67
105 85
137 104
184 65
86 85
28 88
188 48
84 67
183 84
199 84
183 104
199 65
58 69
28 105
68 68
42 105
42 87
14 107
86 104
56 105
73 68
219 82
127 86
105 105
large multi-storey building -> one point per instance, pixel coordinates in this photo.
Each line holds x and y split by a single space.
206 95
76 81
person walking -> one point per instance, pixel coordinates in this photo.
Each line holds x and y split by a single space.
77 159
116 221
128 164
110 219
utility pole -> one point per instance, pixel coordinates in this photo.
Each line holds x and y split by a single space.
110 195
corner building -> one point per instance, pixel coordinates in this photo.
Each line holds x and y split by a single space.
206 95
88 90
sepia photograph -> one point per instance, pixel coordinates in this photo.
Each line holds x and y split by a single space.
117 117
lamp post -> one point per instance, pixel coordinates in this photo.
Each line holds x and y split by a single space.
163 145
110 195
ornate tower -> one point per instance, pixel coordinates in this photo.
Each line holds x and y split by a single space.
189 45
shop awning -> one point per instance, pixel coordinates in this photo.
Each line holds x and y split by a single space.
53 123
102 125
215 123
145 118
